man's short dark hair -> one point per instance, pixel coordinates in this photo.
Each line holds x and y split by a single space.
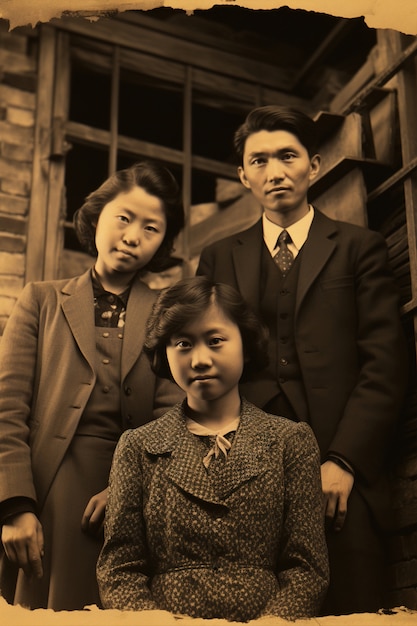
274 117
189 298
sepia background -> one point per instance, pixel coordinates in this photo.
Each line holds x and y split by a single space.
80 98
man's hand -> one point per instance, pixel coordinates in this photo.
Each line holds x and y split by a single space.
337 484
93 518
22 538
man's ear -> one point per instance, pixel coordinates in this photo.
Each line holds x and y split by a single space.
315 163
242 177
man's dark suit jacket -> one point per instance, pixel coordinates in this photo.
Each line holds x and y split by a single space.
348 338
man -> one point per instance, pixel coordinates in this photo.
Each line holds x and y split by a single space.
324 290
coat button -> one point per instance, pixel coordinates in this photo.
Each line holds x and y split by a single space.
283 361
129 418
106 389
128 391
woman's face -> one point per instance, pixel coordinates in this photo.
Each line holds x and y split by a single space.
206 358
130 229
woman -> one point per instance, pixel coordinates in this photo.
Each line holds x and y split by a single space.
73 377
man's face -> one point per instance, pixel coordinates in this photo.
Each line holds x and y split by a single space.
278 170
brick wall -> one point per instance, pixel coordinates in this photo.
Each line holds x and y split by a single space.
17 114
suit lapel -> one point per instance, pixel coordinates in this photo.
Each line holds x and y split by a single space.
79 312
247 261
317 250
139 306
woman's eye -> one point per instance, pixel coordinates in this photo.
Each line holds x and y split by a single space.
182 344
123 218
151 229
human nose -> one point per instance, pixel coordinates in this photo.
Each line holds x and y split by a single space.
131 236
201 357
275 170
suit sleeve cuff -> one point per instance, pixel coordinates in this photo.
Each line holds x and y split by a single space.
335 458
15 506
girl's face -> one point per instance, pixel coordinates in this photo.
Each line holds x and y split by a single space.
130 229
206 358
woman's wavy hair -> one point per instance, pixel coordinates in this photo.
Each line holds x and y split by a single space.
156 180
273 117
189 298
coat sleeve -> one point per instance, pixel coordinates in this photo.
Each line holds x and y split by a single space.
123 567
302 567
18 358
167 394
374 404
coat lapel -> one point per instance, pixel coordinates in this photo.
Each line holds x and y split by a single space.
247 260
247 457
169 435
79 312
139 306
317 250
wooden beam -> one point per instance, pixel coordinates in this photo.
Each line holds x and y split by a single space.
56 175
321 52
38 211
147 40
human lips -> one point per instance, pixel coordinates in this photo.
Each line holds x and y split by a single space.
126 253
202 378
278 189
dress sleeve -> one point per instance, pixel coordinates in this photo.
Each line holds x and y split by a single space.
123 568
302 568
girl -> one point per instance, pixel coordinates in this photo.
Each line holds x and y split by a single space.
215 509
73 377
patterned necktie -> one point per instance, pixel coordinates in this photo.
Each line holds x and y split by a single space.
284 258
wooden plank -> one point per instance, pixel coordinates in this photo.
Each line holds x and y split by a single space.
101 139
38 212
346 199
344 142
114 111
56 180
146 40
187 125
238 216
407 106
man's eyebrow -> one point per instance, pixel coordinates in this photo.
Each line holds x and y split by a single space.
278 151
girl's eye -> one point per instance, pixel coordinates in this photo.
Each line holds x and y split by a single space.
152 229
123 218
216 341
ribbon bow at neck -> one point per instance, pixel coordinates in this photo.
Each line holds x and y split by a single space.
220 445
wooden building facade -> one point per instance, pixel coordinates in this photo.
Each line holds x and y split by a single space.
79 99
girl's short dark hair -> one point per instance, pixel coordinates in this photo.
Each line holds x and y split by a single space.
274 117
181 303
156 180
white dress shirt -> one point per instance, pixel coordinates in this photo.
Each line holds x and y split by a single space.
297 231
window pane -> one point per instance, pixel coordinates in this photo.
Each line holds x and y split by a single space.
214 123
150 112
90 95
86 170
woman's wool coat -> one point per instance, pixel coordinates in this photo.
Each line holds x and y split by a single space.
236 544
